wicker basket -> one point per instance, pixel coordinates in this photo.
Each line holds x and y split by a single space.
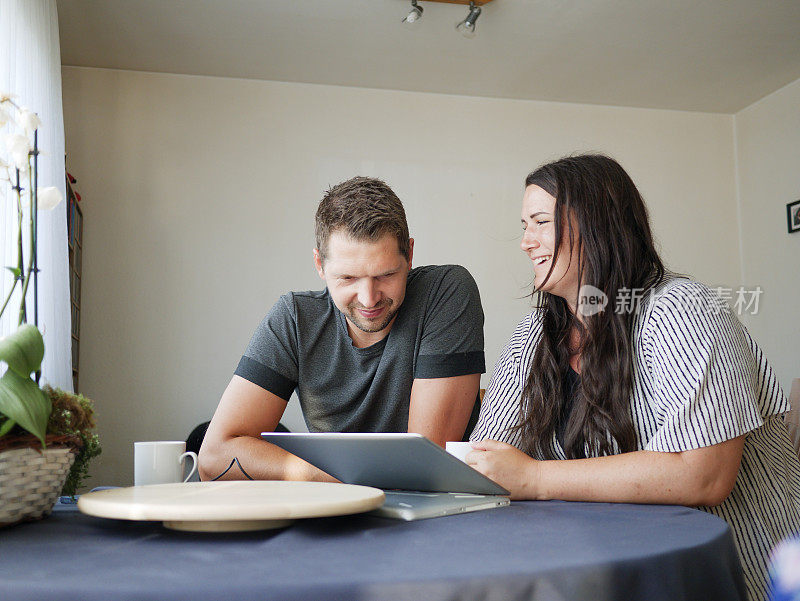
30 482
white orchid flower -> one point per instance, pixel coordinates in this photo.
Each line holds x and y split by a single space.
28 120
5 116
18 147
48 198
6 97
5 175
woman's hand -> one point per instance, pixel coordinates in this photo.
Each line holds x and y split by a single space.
508 466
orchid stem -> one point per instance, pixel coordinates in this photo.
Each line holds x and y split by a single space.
8 298
21 261
35 230
34 192
23 317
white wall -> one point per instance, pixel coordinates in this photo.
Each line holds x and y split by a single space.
768 155
199 195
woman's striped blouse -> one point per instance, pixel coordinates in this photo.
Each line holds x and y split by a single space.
699 380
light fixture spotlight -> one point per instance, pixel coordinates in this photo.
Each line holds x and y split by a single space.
415 14
467 26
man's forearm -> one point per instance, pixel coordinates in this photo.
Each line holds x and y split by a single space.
248 458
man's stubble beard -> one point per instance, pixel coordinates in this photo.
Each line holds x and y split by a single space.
368 327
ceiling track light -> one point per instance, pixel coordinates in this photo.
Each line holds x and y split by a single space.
415 14
467 26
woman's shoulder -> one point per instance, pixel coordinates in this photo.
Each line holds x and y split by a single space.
531 324
678 299
675 286
681 312
526 334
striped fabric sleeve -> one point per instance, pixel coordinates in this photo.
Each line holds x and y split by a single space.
704 373
500 409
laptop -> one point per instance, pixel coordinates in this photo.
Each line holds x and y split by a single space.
420 479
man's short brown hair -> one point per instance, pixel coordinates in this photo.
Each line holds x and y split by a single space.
365 209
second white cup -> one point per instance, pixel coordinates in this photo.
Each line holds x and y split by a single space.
458 449
161 462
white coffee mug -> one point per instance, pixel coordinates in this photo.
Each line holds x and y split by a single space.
161 462
459 449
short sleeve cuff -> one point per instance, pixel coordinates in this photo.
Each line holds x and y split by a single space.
686 433
449 366
263 376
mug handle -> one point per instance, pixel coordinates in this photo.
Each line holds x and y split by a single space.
193 455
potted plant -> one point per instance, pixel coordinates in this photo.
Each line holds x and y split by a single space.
39 439
72 416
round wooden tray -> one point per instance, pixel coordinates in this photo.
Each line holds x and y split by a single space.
230 506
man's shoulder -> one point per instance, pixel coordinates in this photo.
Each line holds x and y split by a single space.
441 286
429 275
299 307
308 296
301 300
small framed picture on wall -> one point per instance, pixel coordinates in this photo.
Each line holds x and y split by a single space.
793 216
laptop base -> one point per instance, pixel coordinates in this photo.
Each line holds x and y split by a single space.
409 506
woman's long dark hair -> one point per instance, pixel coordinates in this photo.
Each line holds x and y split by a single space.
616 253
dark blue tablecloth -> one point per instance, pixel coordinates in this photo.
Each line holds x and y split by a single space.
545 550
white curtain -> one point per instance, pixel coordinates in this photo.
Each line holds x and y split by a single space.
30 69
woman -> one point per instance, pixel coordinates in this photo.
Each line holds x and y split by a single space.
630 384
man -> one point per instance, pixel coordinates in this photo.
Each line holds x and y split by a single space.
384 348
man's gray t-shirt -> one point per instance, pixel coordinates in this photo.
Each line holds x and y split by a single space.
303 344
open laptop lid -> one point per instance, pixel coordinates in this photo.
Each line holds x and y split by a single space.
389 461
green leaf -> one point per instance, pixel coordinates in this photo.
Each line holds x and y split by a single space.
15 270
21 400
7 425
23 350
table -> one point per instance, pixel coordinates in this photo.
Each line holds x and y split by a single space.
529 550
